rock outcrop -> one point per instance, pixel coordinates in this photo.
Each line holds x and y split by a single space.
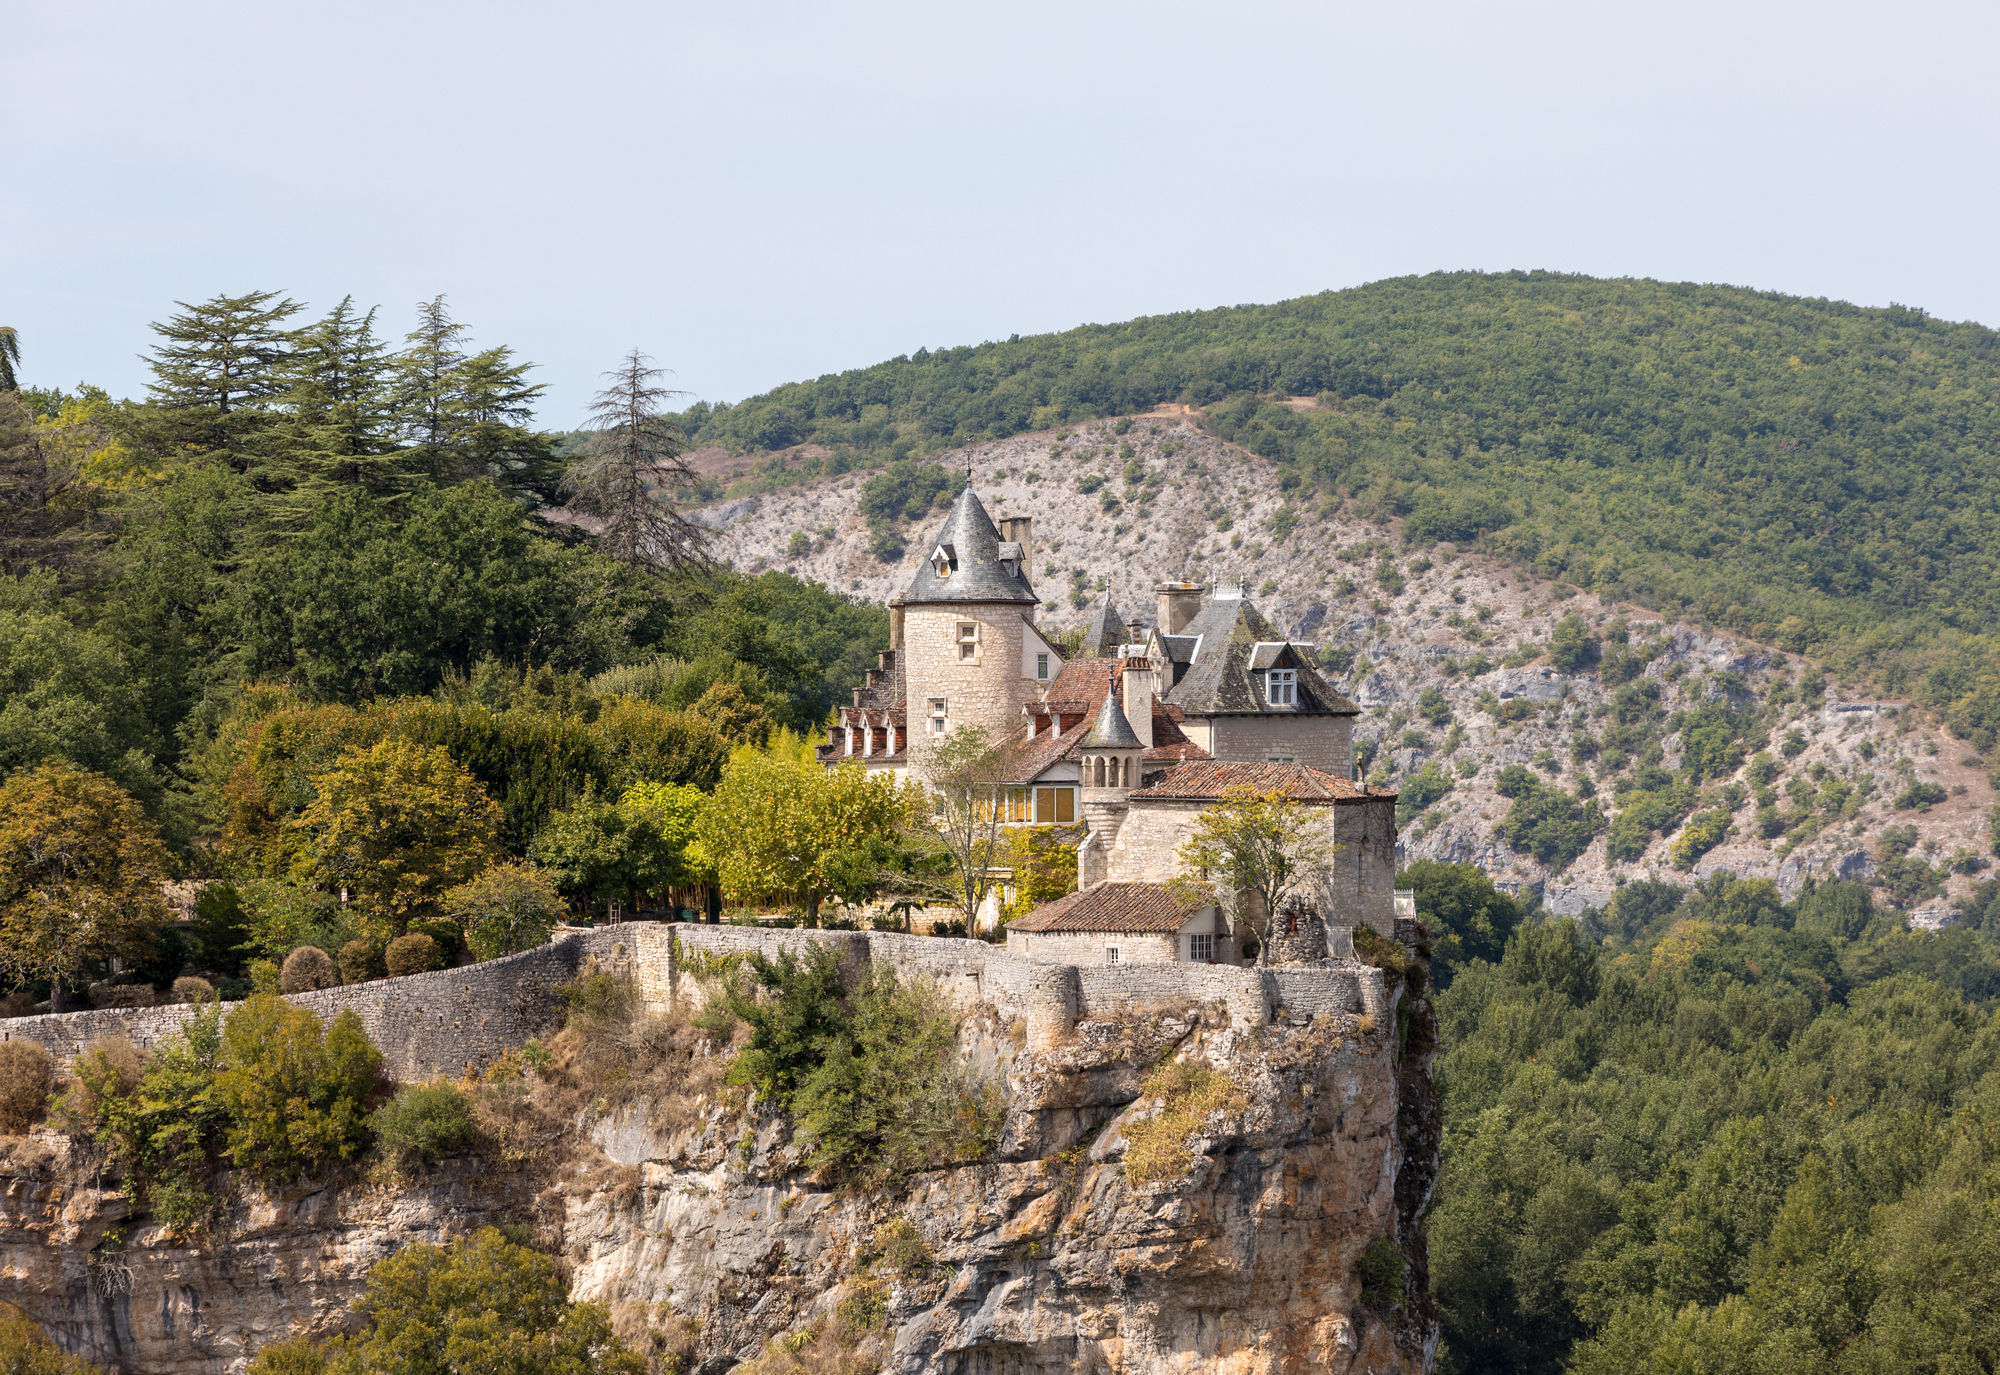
1288 1241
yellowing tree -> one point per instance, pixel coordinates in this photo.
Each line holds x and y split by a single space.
780 828
397 824
1255 849
80 872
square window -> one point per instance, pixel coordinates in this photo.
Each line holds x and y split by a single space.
1111 954
1201 948
1281 687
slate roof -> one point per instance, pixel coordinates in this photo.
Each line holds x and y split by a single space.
1122 908
1112 731
1103 632
1205 780
1224 675
975 574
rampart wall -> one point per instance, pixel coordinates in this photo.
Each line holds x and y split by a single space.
453 1020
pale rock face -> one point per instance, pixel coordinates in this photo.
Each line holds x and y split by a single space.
1044 1258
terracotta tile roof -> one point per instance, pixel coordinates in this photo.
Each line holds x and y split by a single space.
1114 907
1202 780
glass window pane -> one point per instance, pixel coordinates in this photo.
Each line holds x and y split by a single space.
1065 804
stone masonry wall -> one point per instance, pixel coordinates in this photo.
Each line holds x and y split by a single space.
987 691
451 1020
1324 742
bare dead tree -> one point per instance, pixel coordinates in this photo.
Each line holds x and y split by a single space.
634 471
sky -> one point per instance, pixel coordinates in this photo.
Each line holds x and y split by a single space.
756 193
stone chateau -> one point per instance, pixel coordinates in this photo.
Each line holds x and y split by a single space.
1131 740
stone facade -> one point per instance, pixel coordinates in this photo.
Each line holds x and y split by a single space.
986 690
1322 742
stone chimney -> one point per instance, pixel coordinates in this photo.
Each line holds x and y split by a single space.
1178 603
1020 530
1137 686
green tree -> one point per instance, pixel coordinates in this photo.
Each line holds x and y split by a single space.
1469 919
633 473
80 873
508 908
481 1305
67 693
1254 849
296 1091
397 825
10 357
335 430
785 829
216 376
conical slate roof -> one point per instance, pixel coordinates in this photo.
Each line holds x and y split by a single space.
1103 632
1112 731
971 557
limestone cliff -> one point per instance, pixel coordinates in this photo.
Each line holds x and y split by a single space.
1290 1241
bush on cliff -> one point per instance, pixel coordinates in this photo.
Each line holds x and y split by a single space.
295 1091
874 1077
479 1304
25 1350
892 1094
423 1123
26 1076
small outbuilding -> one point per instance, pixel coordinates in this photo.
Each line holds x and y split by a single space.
1123 923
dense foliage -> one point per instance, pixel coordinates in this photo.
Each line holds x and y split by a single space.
1712 1130
483 1303
873 1073
1813 473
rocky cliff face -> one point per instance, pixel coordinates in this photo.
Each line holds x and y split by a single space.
1288 1241
1118 513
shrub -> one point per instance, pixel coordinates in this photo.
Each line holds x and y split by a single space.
25 1350
411 954
189 989
295 1089
26 1076
893 1094
1187 1095
1702 834
423 1123
1380 1270
482 1303
360 961
595 998
306 969
1922 796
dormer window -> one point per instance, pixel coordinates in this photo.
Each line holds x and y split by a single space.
944 560
1281 687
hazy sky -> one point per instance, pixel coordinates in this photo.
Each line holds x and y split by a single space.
756 193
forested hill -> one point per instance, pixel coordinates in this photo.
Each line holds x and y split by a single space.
1813 474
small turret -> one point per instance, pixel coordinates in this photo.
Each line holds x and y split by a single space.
1110 750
